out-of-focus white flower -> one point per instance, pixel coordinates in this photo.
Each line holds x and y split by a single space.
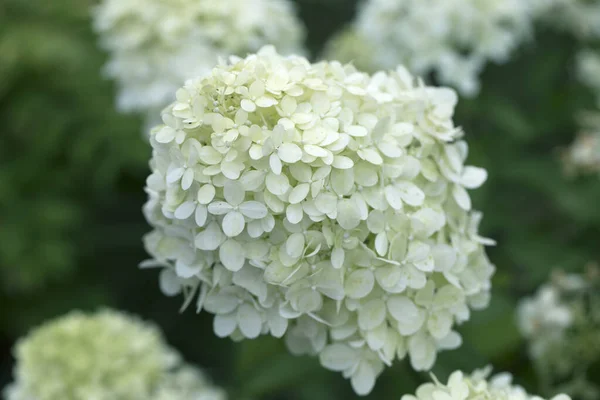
476 386
588 69
452 39
543 319
579 17
583 155
103 356
155 45
319 203
561 324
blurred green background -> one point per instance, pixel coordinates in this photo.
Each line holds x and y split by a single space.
72 173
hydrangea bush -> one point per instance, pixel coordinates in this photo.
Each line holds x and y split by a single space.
155 45
561 324
475 386
103 356
319 203
451 39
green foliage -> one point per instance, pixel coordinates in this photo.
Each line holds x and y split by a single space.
62 145
72 173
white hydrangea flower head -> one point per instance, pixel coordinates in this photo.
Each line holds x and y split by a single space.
476 386
155 45
452 39
103 356
319 203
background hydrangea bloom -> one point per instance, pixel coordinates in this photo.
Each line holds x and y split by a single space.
561 323
319 203
451 39
475 386
103 356
579 17
156 44
583 155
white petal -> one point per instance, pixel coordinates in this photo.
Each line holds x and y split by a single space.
248 105
299 193
371 156
173 175
277 324
275 164
232 170
301 172
348 214
208 155
169 283
338 357
186 271
277 184
315 151
289 153
337 257
359 283
187 179
294 245
252 180
393 196
165 135
363 379
461 197
411 193
357 131
219 208
210 238
372 314
201 215
224 325
381 243
439 324
422 352
206 194
249 321
294 213
326 203
234 192
253 209
342 162
342 181
233 224
473 177
231 254
185 210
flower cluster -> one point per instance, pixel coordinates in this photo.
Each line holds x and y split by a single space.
475 387
451 38
562 326
156 44
319 203
102 356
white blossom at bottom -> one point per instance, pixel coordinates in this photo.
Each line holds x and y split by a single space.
476 386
